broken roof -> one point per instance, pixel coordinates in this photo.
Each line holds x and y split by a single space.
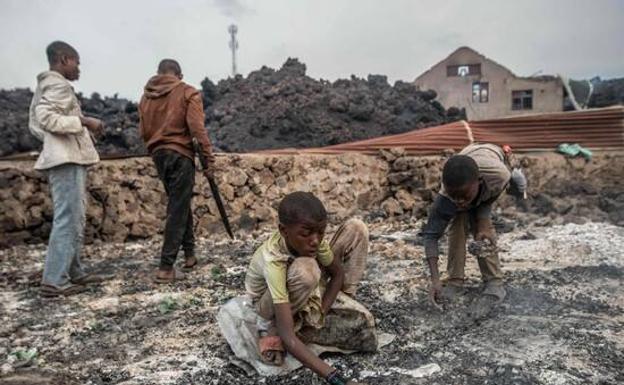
539 78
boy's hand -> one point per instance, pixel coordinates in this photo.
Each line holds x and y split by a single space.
211 170
489 235
435 293
485 230
94 125
336 378
337 274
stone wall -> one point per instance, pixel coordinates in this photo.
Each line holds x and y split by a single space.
560 189
126 200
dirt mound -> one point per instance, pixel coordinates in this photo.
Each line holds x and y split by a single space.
285 108
268 109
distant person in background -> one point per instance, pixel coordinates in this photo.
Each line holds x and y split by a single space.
56 119
171 114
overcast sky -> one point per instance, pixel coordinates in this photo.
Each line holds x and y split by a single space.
121 41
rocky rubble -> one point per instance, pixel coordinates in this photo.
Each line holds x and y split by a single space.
285 108
595 92
121 121
607 93
560 324
268 109
126 200
14 106
120 116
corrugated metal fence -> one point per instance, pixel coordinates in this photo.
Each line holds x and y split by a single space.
597 129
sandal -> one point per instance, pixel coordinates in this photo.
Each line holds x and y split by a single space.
91 278
177 276
49 291
271 350
188 267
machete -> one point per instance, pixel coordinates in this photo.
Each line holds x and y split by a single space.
215 190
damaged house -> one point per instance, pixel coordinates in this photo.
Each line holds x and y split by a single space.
486 89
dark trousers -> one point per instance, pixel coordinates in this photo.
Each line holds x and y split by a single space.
177 173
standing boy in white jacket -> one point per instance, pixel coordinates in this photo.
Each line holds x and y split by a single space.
56 119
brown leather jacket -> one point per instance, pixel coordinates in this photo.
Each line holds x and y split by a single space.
171 114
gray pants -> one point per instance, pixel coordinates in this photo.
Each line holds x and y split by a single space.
68 186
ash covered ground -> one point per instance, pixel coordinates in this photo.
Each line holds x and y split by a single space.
560 324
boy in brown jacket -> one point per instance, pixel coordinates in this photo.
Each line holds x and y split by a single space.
171 114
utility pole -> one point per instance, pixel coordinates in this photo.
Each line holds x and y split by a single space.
233 29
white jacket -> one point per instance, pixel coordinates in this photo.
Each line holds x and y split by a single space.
55 120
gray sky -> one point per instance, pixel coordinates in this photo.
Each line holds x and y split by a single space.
121 42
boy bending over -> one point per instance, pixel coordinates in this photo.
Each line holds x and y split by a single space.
471 182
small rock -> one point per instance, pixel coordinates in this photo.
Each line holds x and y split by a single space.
392 207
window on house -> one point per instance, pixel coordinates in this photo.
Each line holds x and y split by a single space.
463 70
480 92
522 100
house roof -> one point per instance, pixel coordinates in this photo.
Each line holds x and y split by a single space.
542 78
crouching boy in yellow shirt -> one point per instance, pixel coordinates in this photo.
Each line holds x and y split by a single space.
285 272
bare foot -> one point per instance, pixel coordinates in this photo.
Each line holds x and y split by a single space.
270 352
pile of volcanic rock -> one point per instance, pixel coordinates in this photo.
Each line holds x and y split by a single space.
285 108
120 116
607 93
16 138
269 109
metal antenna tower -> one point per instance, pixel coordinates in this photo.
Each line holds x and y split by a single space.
233 29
